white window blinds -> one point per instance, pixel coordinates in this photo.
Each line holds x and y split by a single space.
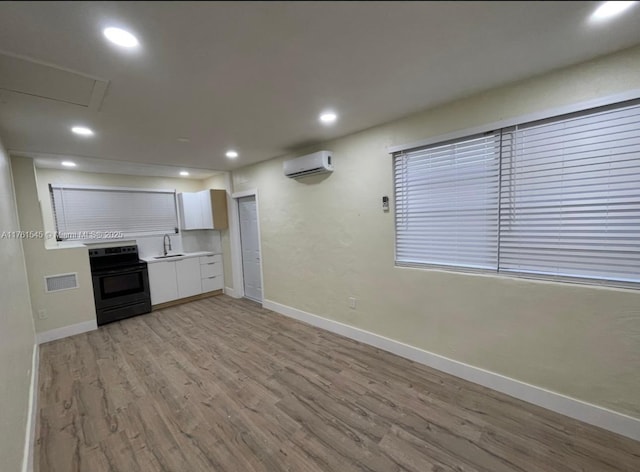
101 209
558 198
447 203
570 201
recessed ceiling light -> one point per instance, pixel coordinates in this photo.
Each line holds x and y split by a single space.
184 173
328 117
231 154
610 9
120 37
82 130
68 164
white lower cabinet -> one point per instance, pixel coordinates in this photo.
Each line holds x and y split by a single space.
162 282
212 283
172 280
188 273
211 273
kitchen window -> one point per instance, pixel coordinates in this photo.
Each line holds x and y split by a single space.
80 212
556 198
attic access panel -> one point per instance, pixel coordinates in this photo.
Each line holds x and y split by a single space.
26 76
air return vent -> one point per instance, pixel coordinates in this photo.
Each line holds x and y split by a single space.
56 283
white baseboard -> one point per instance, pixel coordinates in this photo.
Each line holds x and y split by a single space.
231 292
568 406
66 331
32 412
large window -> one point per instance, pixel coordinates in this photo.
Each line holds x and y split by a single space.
558 198
107 210
447 203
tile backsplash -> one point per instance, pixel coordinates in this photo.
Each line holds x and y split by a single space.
201 240
185 241
152 245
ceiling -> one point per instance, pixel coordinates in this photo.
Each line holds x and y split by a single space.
254 76
111 166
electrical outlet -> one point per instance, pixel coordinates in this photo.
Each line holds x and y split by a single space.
352 303
42 314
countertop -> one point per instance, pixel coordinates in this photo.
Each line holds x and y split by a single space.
184 255
52 244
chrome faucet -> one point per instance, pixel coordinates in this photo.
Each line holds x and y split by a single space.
164 243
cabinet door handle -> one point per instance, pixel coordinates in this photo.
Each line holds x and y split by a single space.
211 263
212 277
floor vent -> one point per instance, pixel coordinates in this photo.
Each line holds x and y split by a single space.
56 283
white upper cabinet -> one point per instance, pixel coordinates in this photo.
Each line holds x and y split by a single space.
206 209
190 210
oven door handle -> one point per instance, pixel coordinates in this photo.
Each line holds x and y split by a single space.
118 271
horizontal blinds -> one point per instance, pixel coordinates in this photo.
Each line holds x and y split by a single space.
129 211
570 196
447 203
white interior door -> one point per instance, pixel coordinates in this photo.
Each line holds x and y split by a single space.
250 244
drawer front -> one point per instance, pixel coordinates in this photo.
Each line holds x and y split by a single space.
210 259
212 283
210 269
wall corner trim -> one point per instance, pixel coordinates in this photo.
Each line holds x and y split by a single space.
588 413
32 415
231 292
66 331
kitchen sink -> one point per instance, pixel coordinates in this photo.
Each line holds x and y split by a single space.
168 256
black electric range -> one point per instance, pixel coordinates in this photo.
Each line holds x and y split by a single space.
120 283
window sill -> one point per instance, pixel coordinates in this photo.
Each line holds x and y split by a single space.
520 276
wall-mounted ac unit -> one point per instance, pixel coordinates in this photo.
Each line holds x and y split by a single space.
316 163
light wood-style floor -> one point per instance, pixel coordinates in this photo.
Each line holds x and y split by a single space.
224 385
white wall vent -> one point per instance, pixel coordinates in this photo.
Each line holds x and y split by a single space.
56 283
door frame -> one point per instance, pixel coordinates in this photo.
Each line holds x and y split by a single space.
236 245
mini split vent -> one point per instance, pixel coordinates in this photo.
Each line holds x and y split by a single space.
316 163
56 283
